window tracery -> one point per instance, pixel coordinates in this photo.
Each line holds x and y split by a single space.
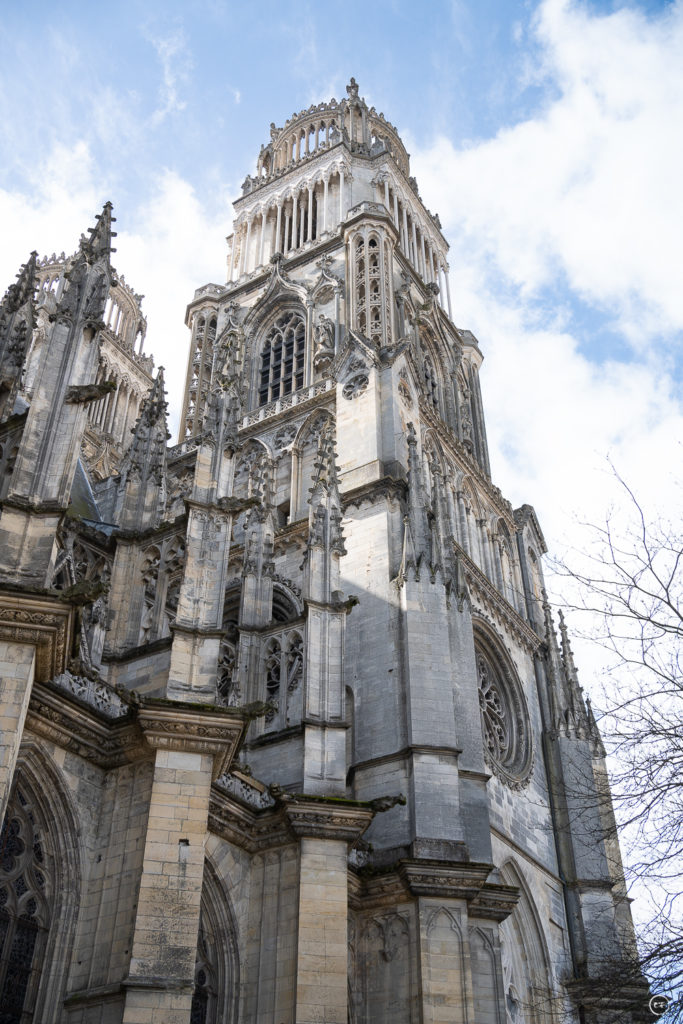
282 358
25 893
283 665
371 281
227 685
505 722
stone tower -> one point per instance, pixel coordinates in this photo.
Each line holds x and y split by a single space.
288 736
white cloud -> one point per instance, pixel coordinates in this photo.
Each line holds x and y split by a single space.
175 60
58 203
581 201
590 187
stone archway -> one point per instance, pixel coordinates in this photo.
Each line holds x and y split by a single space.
216 993
525 962
40 875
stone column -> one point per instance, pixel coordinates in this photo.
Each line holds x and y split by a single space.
309 225
295 203
262 240
192 747
276 246
231 265
325 831
245 262
448 290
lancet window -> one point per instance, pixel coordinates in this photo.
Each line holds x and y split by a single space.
226 684
283 662
282 358
371 289
25 890
200 377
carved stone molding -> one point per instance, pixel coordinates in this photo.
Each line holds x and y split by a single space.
327 820
250 830
454 881
83 731
43 622
494 902
174 725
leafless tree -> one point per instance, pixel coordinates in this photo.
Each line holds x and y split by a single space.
628 586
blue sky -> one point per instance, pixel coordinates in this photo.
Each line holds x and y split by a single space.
546 134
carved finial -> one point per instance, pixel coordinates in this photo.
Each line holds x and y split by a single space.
352 89
567 655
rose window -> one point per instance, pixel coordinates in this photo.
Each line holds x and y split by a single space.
505 723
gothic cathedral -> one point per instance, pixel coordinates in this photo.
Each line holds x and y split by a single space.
287 733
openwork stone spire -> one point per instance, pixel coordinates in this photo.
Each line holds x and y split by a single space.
98 244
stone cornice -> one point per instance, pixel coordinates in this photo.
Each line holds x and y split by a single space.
165 528
36 508
385 487
198 729
163 643
411 879
494 902
56 717
455 881
328 819
253 831
43 622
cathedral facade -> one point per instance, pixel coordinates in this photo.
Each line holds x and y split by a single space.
288 735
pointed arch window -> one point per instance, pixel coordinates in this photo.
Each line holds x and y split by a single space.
283 666
25 890
282 358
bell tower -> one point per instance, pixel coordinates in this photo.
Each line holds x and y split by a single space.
386 602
